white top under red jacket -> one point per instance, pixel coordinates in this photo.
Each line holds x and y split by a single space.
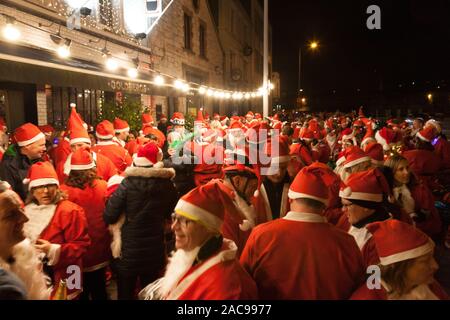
302 257
220 277
63 225
92 200
423 292
118 155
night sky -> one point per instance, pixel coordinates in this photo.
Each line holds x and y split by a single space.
413 45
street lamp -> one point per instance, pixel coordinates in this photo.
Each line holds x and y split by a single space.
313 46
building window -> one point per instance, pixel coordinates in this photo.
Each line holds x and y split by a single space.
187 32
152 5
202 39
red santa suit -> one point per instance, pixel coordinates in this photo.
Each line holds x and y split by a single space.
324 262
64 225
218 278
92 200
210 158
442 149
118 155
425 164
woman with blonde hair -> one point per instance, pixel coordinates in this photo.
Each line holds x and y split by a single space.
414 197
407 265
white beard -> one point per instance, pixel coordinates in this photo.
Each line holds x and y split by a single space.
407 200
28 268
179 264
39 218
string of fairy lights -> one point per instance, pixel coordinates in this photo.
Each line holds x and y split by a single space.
111 21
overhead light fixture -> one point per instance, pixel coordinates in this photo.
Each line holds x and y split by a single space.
64 50
133 73
159 80
209 92
10 31
202 90
111 63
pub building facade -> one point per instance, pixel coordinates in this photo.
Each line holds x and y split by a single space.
38 81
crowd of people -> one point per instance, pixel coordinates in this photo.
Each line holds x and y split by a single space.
298 206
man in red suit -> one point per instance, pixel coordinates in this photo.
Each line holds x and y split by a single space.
301 256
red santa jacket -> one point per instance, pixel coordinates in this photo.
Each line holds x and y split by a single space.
301 257
118 155
302 154
426 292
92 200
219 278
425 164
210 158
366 244
442 149
65 225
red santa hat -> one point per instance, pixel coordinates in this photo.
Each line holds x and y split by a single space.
435 124
308 184
306 134
121 126
427 134
178 119
162 117
258 134
358 123
208 204
386 137
375 151
78 132
347 134
296 134
369 136
341 158
281 154
368 185
355 155
250 114
224 118
236 125
81 160
329 124
258 116
361 112
2 123
47 129
148 155
41 174
27 134
216 116
397 241
105 130
147 120
200 119
207 117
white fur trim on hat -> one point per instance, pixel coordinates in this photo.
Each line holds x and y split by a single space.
381 141
42 182
296 195
366 140
80 140
196 213
372 197
407 255
127 129
82 167
357 161
340 161
142 162
110 136
38 137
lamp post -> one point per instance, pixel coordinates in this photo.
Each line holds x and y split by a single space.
314 45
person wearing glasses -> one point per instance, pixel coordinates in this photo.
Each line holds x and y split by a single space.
205 265
137 212
56 226
362 203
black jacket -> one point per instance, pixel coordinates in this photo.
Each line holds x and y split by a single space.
14 169
147 196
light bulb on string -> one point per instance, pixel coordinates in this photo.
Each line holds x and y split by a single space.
133 73
159 80
11 32
202 90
